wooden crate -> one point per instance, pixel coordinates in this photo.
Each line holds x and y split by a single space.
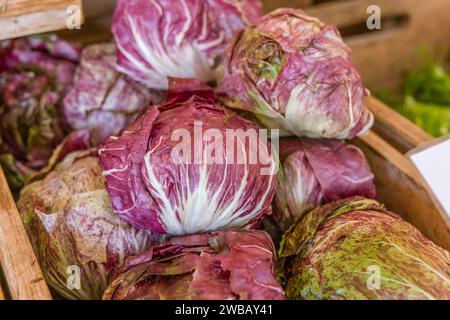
399 185
383 57
23 17
98 15
409 28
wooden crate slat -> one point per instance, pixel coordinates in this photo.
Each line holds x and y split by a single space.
13 8
383 56
393 127
21 270
24 17
270 5
401 188
2 295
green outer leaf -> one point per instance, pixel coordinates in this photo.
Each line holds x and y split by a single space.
16 174
304 230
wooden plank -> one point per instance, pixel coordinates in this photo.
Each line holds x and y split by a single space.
24 17
401 188
397 130
23 275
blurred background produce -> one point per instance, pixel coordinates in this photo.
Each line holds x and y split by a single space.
100 209
101 100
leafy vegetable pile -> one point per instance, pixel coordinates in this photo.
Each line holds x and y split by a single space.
134 171
337 251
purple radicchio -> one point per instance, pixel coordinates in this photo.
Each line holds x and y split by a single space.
355 249
71 224
231 265
34 75
100 99
294 73
189 167
316 172
183 39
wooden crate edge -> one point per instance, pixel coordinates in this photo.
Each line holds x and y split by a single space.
394 128
388 164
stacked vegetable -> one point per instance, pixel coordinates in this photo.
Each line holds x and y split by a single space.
143 197
426 98
34 76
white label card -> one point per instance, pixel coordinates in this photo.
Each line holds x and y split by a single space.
434 165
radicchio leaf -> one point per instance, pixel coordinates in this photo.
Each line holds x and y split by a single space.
355 249
34 75
233 265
